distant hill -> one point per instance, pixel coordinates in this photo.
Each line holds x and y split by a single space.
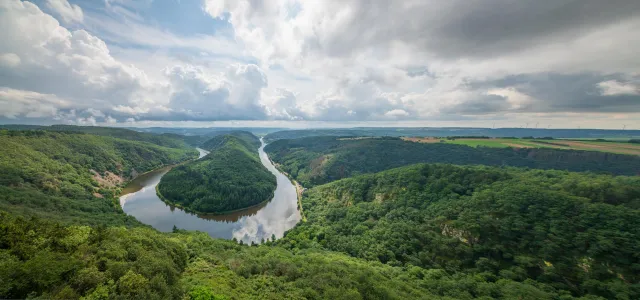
172 141
208 131
249 140
229 178
417 232
446 132
318 160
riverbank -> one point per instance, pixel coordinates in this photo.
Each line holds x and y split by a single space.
202 153
299 188
273 217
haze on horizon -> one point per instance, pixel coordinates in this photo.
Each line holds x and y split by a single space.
288 63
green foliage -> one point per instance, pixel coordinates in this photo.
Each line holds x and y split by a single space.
246 139
225 270
319 160
60 175
165 140
229 178
417 232
41 258
562 232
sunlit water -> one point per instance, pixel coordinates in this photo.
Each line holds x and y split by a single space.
139 199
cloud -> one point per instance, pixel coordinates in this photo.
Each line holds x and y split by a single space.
197 94
110 120
69 13
396 113
17 103
323 61
362 52
9 60
583 92
615 88
283 105
72 65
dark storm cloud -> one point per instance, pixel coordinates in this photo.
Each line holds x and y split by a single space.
486 28
462 28
567 93
479 105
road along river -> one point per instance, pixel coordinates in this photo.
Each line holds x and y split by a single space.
139 199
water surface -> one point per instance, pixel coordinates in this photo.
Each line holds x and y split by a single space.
139 199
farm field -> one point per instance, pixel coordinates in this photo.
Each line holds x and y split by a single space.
588 145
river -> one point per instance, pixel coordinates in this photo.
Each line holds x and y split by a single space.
273 218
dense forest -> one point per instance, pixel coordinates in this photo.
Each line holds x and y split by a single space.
230 177
166 140
426 231
559 232
43 259
248 140
318 160
68 175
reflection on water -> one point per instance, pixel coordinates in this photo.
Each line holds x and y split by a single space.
139 199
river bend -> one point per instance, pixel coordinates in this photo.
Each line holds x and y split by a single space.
258 223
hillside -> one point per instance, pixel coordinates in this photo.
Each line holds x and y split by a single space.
165 140
318 160
248 140
564 233
74 176
64 236
419 232
229 178
142 263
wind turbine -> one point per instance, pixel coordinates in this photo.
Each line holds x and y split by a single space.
537 124
624 126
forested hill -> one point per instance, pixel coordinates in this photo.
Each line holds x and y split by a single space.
165 140
247 139
555 233
419 232
229 178
317 160
62 237
74 176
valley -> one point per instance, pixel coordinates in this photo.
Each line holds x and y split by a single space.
384 218
254 224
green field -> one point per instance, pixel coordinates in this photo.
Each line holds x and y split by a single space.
617 146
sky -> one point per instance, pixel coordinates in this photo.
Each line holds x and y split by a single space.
343 63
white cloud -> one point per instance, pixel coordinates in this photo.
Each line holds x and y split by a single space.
17 103
110 120
359 52
95 113
615 88
283 106
396 113
73 65
202 95
9 60
334 61
87 121
69 13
